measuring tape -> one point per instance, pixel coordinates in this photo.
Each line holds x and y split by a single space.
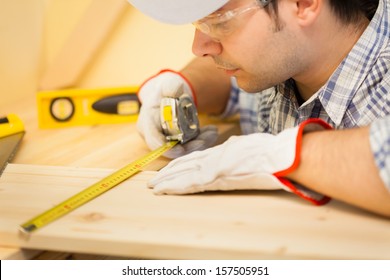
179 121
93 191
73 107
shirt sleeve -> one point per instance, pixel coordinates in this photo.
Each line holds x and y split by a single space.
233 106
380 146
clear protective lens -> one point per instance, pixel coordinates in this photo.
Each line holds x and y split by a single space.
220 25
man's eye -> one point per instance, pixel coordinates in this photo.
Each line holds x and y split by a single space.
223 26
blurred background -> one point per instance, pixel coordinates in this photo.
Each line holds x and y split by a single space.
33 34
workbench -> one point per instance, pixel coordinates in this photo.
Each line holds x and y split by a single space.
217 225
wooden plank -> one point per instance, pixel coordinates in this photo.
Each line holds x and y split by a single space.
130 221
83 44
100 146
9 253
53 255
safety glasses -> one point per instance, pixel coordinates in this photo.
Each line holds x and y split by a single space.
220 25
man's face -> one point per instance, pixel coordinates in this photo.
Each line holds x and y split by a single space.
257 53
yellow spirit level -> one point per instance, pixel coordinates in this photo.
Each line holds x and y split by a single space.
73 107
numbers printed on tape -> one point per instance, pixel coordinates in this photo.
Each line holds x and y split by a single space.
94 190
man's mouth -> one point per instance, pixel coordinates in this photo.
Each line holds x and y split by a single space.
228 71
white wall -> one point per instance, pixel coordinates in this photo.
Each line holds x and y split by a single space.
32 33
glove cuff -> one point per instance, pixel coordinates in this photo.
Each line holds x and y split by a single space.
307 126
193 95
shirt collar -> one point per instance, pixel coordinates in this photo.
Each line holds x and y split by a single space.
342 86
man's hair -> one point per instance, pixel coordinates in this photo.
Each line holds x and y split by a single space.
348 11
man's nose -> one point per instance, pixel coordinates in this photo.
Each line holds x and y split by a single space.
204 45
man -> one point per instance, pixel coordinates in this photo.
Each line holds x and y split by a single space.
278 63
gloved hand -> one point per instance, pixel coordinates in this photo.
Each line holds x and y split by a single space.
167 83
255 161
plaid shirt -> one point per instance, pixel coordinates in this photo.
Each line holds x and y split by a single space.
356 94
380 145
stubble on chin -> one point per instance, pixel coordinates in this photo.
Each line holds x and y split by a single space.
222 64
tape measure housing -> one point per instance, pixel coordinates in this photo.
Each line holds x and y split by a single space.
11 124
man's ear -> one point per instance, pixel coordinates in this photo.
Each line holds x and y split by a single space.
307 11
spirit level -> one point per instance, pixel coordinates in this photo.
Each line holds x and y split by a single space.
73 107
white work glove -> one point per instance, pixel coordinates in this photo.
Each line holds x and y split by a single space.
168 83
255 161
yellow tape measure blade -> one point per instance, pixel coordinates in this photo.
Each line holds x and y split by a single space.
94 190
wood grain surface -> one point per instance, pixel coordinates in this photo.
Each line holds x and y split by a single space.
99 146
130 221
